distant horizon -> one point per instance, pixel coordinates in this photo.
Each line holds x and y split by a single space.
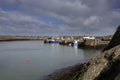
56 35
59 17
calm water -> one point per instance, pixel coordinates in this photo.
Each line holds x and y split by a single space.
32 60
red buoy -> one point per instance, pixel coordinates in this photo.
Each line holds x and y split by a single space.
27 60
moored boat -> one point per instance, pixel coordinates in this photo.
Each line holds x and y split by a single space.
52 41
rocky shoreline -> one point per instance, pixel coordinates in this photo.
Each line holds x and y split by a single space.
104 66
67 73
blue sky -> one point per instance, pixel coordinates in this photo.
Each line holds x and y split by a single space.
59 17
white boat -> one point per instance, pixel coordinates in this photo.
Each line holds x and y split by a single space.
52 41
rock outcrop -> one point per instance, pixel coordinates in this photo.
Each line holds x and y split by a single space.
105 66
115 40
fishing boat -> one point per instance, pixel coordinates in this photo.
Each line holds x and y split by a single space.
52 41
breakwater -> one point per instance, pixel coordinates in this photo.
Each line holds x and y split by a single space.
15 38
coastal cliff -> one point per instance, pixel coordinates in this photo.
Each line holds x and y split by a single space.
104 66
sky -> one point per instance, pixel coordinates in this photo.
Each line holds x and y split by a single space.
59 17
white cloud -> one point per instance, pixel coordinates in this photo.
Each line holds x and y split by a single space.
91 21
76 16
14 22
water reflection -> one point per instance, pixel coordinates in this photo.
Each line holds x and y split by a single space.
89 53
76 51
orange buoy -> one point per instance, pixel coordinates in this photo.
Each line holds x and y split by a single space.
27 60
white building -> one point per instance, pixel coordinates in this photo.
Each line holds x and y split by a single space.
87 36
